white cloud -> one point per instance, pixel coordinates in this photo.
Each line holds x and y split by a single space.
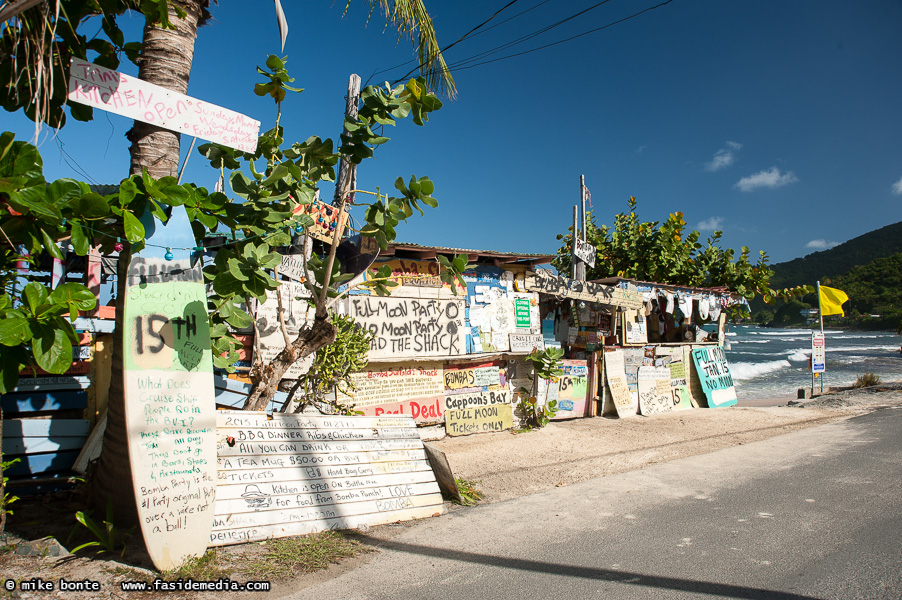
724 157
821 244
770 178
897 187
712 224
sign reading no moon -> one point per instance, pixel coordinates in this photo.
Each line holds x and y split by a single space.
585 252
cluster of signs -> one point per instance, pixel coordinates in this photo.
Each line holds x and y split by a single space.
657 379
472 398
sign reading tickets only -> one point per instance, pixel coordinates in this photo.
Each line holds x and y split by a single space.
714 374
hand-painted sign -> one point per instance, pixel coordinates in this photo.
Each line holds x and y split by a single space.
714 374
415 390
477 376
422 274
654 390
471 399
298 474
679 387
169 407
585 252
326 219
818 353
614 369
483 419
557 285
526 342
131 97
407 327
570 389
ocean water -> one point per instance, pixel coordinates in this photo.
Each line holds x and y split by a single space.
773 363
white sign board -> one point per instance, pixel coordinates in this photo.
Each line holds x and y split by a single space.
298 474
526 342
818 353
136 99
585 252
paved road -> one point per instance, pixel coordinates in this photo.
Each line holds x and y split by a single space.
811 514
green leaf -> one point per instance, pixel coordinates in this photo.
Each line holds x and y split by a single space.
274 63
14 331
33 296
134 230
74 296
52 348
80 242
236 268
90 206
50 245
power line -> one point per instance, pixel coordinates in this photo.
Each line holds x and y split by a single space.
462 65
462 38
459 40
529 36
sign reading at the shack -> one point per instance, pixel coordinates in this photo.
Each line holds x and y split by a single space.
715 377
136 99
299 474
169 408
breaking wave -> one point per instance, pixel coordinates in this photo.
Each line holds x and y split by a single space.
743 371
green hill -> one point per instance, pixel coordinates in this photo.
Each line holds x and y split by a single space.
829 264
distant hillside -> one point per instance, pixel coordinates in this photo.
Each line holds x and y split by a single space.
829 264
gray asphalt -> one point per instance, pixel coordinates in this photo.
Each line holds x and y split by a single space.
811 514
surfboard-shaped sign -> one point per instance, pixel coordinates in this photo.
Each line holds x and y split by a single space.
169 396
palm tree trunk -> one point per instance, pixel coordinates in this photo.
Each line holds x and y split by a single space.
166 57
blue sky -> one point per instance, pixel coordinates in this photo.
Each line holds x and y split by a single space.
777 122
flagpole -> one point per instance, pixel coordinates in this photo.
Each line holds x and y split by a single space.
820 314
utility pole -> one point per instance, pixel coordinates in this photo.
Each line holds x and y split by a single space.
574 261
347 171
579 267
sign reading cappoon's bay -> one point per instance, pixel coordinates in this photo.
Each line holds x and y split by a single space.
298 474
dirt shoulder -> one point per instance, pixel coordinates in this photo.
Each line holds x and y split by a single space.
503 465
506 466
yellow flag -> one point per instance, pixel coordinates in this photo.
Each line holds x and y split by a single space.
832 300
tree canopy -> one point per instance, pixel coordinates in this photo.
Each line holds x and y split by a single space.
665 252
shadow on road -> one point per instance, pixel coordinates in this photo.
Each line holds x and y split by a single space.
615 576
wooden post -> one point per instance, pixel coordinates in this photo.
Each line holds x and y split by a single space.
582 199
347 171
573 259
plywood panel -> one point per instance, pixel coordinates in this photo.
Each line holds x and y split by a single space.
295 474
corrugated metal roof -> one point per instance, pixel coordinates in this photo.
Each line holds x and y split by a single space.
488 253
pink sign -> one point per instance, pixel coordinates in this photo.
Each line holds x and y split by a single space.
131 97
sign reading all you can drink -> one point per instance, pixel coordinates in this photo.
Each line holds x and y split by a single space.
299 474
